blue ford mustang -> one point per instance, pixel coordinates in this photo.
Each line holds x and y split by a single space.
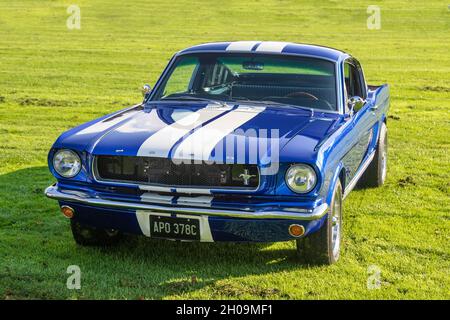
237 141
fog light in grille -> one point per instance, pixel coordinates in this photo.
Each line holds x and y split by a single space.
296 230
67 211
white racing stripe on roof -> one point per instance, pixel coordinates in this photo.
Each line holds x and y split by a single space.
242 45
271 46
201 142
160 143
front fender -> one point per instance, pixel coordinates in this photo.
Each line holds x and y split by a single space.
333 181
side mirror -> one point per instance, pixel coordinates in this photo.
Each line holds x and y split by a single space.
146 90
355 104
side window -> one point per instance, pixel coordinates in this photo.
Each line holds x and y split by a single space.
181 78
347 79
353 84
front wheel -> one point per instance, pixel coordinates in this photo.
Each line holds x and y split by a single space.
90 236
323 246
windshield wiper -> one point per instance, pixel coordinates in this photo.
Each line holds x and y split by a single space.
186 97
276 103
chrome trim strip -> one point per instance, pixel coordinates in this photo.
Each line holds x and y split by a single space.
358 175
199 200
189 190
53 192
143 187
155 197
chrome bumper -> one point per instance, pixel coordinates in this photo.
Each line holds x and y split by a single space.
53 192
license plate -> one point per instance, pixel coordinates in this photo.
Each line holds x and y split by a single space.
174 228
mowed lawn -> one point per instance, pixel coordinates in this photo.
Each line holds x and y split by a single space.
53 78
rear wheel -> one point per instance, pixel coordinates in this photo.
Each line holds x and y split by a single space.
375 174
90 236
323 246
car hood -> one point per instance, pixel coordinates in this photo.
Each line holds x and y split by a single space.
239 133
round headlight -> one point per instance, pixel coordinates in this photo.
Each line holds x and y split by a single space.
301 178
67 163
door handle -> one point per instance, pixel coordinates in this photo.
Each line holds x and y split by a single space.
374 108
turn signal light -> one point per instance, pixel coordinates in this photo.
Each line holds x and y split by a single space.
296 230
67 211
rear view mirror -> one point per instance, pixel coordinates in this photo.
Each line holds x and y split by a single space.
253 65
146 90
355 104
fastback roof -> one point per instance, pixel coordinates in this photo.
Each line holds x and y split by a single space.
269 47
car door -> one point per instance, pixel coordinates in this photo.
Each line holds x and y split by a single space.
362 120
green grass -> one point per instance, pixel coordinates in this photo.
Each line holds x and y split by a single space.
52 79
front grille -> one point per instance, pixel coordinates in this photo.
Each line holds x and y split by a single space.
165 172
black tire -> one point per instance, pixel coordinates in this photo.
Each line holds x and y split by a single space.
375 174
89 236
320 248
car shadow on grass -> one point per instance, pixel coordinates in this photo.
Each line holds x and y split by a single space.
147 267
189 266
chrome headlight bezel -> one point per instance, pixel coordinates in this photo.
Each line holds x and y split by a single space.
309 174
69 159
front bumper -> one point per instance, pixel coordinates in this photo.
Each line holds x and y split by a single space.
221 224
53 192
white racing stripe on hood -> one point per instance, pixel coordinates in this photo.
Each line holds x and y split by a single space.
160 143
271 46
242 45
201 142
106 124
144 123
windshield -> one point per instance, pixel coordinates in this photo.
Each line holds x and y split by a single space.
298 81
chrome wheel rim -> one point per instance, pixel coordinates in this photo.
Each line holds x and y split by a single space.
336 224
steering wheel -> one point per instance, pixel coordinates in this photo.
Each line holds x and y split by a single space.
304 94
308 95
301 94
